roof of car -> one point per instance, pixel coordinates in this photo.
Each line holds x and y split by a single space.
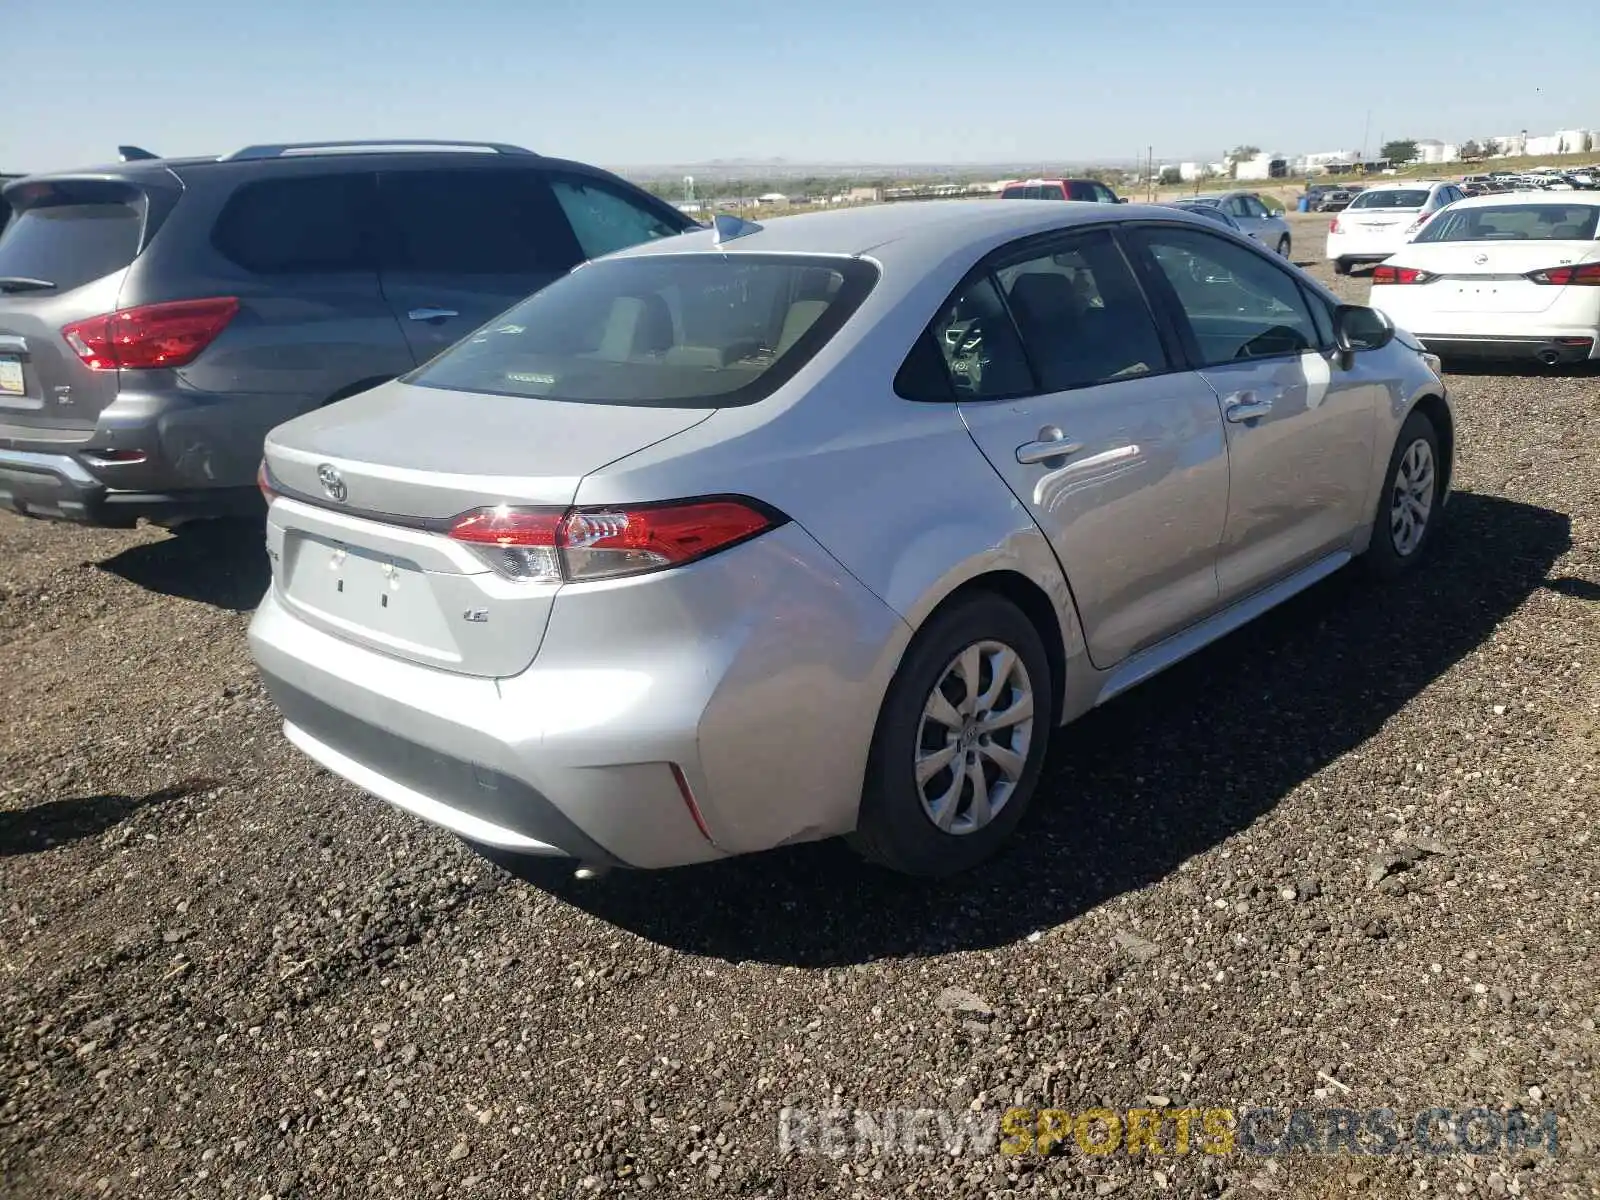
906 229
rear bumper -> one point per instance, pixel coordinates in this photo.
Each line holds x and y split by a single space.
757 674
1552 349
59 487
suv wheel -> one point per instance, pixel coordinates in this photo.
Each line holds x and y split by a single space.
959 743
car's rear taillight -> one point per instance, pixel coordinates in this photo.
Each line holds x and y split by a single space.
151 335
1388 274
1584 275
553 545
264 483
1333 225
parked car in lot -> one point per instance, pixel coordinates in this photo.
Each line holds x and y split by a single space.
1503 276
1090 190
1258 220
1333 200
1381 219
139 373
1210 212
766 534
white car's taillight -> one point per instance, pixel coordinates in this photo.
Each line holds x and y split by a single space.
552 545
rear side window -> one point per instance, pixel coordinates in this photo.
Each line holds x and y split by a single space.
304 225
474 223
1514 223
1082 316
981 349
678 331
603 219
70 235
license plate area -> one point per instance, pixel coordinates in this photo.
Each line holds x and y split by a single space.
384 600
11 381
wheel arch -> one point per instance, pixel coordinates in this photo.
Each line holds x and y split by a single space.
1444 427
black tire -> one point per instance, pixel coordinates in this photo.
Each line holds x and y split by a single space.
1384 559
1283 247
894 828
1341 266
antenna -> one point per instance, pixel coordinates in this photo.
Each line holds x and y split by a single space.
136 154
725 227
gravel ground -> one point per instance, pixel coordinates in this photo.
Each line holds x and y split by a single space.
1344 859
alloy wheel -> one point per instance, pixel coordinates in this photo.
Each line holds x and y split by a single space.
1411 498
972 743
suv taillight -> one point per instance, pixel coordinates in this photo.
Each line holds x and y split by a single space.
1386 274
1586 275
553 545
151 335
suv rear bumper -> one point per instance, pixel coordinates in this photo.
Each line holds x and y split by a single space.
60 487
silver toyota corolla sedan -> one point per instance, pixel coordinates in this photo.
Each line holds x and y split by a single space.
759 535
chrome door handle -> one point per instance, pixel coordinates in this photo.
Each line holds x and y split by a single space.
432 314
1246 407
1045 448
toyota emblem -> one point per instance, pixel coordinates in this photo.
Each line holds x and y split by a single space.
1480 259
332 482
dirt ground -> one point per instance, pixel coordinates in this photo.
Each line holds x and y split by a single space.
1345 859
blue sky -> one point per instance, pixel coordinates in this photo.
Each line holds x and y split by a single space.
635 82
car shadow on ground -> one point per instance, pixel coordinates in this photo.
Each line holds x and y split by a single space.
1133 789
58 822
222 563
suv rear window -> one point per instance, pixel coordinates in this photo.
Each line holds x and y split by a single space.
72 234
1391 198
678 331
1514 223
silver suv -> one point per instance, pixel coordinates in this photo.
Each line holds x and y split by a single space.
158 316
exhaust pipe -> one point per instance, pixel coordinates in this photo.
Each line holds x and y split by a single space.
1549 358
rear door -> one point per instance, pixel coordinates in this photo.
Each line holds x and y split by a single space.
1300 432
63 259
463 245
1116 451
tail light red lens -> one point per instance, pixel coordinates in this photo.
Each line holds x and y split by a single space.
561 545
264 483
151 335
1583 275
1333 225
1387 274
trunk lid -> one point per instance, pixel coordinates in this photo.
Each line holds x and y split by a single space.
1492 276
377 566
63 258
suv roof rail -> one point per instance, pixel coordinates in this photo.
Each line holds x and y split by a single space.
285 149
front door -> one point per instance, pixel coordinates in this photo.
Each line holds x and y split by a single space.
1300 428
1071 394
464 245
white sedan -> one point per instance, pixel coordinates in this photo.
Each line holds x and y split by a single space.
1383 218
1508 276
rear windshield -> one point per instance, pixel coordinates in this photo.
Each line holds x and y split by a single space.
1391 198
1514 223
69 238
703 331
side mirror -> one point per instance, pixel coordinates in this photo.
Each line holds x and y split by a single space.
1357 327
1277 212
1122 199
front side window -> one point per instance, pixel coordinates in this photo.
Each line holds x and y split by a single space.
1238 208
1082 316
604 220
676 331
1082 189
1104 194
1391 198
474 223
1238 305
1514 223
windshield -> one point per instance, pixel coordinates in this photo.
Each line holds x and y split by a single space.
1514 223
701 330
1391 198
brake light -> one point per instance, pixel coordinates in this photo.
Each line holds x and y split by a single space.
553 545
1387 274
151 335
1585 275
1333 225
264 483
